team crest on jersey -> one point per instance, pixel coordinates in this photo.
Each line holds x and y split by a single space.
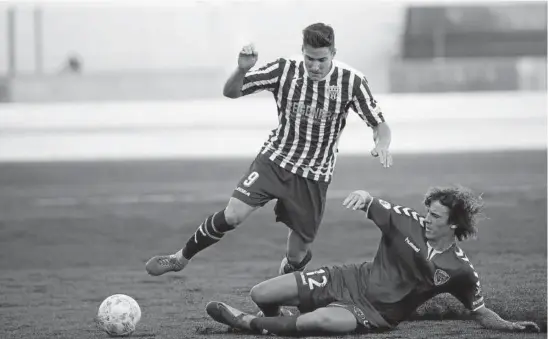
385 204
440 277
333 92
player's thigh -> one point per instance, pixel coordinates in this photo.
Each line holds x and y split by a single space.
254 189
331 320
317 288
364 314
302 206
281 290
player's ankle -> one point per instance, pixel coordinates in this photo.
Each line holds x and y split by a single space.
180 257
294 266
270 311
246 321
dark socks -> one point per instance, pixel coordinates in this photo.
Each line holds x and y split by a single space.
294 267
209 232
276 325
270 310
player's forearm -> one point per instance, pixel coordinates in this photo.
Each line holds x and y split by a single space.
233 86
382 135
491 320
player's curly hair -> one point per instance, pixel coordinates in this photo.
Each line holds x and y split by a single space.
319 35
465 208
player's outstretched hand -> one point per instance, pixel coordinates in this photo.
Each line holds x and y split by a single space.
248 57
525 326
357 200
384 156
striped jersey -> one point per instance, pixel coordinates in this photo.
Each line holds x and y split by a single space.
311 114
407 271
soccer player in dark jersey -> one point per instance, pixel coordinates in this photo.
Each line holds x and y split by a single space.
296 163
417 258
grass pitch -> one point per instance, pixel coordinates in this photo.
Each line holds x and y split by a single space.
72 234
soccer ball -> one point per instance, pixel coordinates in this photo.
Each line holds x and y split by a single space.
118 315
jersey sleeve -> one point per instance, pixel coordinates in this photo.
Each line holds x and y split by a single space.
266 77
364 104
380 212
468 291
389 217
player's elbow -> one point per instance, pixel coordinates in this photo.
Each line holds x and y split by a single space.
232 94
381 126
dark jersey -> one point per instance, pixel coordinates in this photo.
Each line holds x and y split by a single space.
406 271
311 114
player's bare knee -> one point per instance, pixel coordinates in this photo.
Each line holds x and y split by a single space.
232 217
236 212
256 294
260 294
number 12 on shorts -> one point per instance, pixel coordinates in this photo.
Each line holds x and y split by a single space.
312 282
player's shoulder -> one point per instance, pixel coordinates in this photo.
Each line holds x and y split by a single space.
297 59
400 209
463 262
346 67
288 61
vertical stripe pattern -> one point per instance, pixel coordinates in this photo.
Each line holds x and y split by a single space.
311 114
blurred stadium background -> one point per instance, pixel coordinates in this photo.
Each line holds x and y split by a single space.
155 52
158 70
85 82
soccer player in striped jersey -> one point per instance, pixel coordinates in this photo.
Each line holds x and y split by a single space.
417 259
296 163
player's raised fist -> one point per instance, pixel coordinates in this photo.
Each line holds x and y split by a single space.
248 57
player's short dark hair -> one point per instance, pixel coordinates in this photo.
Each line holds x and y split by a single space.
319 35
465 208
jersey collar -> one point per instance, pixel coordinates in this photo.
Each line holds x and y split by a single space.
432 251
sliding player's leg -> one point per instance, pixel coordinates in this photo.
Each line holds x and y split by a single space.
322 321
329 299
323 296
271 294
253 190
306 290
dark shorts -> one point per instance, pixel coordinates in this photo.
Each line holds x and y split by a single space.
301 201
339 286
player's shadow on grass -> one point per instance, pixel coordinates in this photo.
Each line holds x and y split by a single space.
143 335
222 331
214 330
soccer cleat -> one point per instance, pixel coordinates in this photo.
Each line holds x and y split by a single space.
162 264
228 315
285 267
